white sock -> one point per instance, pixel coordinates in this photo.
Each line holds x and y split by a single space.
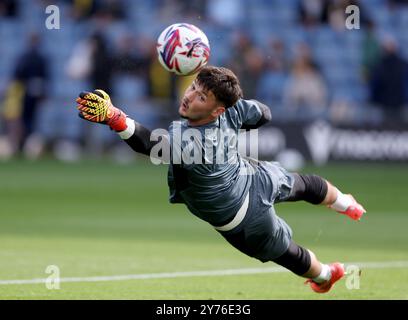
342 202
324 275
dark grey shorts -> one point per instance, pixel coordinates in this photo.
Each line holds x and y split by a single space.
262 234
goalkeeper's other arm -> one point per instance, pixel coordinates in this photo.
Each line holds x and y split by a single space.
97 107
266 116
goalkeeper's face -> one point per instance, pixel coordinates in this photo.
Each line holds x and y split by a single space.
199 106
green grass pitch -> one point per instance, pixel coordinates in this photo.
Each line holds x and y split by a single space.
97 218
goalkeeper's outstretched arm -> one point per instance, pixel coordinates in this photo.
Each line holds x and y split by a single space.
97 107
137 137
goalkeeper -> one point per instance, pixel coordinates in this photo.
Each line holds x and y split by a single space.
237 196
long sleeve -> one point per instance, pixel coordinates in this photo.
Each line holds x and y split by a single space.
249 114
265 117
137 137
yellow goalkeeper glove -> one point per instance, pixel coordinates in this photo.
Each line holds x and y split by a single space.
97 107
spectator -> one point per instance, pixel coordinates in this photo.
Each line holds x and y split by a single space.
248 62
271 85
8 8
333 12
25 94
397 3
371 51
313 12
160 81
276 54
194 9
130 59
82 10
131 69
106 9
388 85
305 90
91 60
102 63
114 8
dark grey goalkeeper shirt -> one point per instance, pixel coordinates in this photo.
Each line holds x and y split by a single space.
206 171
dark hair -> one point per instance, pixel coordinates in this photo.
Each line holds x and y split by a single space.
222 82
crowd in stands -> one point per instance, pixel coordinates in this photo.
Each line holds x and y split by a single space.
297 56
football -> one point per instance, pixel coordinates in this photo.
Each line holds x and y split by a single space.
183 48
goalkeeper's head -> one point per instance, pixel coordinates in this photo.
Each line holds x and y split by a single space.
213 91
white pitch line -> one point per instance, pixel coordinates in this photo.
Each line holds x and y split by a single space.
207 273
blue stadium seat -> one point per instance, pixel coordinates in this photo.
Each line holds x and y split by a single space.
271 88
129 87
294 35
381 16
11 28
68 88
401 16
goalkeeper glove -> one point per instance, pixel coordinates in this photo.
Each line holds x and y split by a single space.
97 107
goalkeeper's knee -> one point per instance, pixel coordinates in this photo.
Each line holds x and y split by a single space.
310 188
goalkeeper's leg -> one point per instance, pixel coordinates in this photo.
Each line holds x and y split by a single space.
304 263
316 190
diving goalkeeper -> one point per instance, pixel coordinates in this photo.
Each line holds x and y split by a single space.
237 195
